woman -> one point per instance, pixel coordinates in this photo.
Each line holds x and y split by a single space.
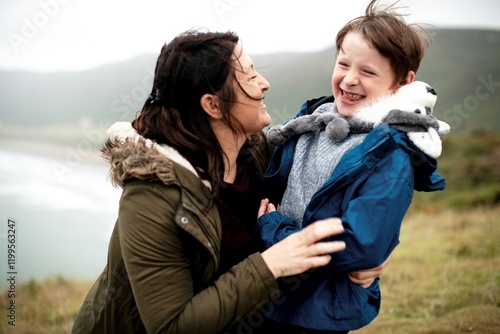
176 263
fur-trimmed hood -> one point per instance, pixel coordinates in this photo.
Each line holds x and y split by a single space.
132 156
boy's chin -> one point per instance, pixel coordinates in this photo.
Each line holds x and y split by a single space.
348 111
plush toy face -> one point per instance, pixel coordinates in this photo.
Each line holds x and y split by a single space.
422 99
409 110
418 93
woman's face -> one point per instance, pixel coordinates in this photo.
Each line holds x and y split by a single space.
249 109
361 75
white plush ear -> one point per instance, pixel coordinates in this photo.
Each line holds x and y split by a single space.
428 142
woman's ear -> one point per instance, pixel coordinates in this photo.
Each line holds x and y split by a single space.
211 104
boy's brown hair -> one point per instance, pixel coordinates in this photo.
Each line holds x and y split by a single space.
403 44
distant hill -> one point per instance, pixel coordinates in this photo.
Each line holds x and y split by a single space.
114 91
463 66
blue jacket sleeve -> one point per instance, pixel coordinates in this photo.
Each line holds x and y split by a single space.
274 227
373 218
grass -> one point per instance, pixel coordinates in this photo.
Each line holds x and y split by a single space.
44 307
444 278
471 165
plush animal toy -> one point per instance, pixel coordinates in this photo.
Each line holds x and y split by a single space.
409 109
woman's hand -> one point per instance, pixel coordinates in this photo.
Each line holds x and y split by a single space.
265 207
366 277
303 250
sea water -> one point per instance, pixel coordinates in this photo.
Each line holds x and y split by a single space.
55 219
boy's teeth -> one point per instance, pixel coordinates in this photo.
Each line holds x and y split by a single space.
352 96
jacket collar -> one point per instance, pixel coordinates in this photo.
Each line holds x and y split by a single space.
133 156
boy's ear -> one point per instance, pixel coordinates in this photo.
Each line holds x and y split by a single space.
211 104
410 77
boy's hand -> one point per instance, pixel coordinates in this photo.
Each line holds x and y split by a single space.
265 207
366 277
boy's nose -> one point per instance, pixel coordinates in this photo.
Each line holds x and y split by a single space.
351 78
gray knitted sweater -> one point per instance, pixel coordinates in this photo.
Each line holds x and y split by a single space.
315 159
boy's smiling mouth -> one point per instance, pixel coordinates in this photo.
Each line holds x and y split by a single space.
351 96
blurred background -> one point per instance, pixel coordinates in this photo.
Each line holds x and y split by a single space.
69 69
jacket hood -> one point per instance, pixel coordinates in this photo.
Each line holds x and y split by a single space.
132 156
425 168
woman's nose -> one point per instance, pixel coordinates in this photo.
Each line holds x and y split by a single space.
264 84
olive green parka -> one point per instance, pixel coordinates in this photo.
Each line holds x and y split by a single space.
164 250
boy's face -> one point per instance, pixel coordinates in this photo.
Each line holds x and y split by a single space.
361 75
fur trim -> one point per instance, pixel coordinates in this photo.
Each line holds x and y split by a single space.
133 156
135 160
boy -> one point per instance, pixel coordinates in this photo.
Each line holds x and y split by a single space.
367 179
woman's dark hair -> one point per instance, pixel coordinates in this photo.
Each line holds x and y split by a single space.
193 64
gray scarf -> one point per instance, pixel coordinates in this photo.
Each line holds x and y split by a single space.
315 159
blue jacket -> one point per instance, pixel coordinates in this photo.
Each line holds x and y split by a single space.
370 190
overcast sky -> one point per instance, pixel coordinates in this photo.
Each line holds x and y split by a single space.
53 35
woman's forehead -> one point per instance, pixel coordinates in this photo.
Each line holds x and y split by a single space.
242 59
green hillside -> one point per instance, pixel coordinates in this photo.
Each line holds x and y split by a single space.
470 163
463 66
